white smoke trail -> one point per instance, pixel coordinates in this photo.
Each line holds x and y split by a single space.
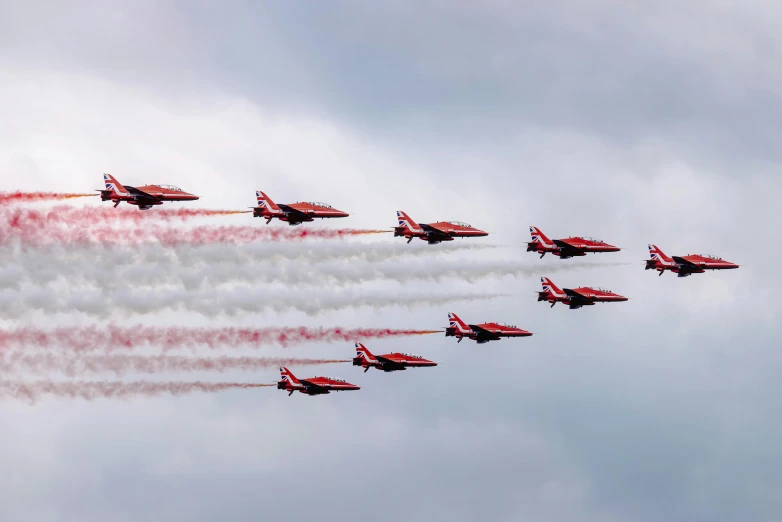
101 304
193 273
16 362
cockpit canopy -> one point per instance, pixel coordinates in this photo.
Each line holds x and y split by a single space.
169 187
318 204
599 289
715 258
506 325
591 239
412 356
460 224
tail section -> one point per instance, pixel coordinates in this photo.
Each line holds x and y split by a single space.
457 324
657 254
550 288
363 353
266 203
113 185
405 222
539 237
287 376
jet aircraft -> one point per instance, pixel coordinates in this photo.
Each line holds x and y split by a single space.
313 385
576 297
388 362
683 266
481 333
434 233
293 213
144 197
568 247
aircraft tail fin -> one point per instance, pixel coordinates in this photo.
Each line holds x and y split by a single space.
406 223
266 202
550 287
114 186
457 324
538 236
363 353
287 375
656 253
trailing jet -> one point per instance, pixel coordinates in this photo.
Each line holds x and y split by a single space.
482 333
434 233
568 247
685 265
388 362
293 213
313 385
576 297
144 197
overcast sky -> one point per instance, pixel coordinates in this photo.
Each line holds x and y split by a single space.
636 124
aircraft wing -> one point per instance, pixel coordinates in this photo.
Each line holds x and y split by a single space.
141 196
317 388
435 233
290 210
576 297
388 362
685 264
483 332
566 247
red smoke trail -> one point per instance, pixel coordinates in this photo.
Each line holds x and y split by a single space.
32 391
7 198
123 364
37 228
114 338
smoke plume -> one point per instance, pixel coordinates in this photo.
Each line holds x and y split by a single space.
31 392
10 198
123 364
113 339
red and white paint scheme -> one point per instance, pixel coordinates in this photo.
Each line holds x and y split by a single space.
481 333
576 297
313 385
293 213
388 362
683 266
568 247
434 233
144 197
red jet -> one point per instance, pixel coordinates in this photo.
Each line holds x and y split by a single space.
434 233
312 386
482 333
388 362
576 297
144 197
685 265
294 213
568 247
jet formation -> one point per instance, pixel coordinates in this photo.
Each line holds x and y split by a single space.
147 196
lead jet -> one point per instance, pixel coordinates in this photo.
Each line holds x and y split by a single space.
388 362
293 213
481 333
144 197
313 385
683 266
568 247
576 297
434 233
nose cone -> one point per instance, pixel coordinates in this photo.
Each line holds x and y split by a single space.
620 298
612 248
731 265
192 197
341 213
480 233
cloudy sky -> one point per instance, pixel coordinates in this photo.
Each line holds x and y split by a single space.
636 124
